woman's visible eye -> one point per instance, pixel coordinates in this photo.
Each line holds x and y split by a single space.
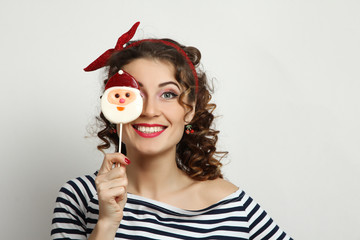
117 95
169 95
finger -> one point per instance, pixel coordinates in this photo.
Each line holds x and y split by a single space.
118 172
116 194
121 182
113 158
119 193
102 181
105 186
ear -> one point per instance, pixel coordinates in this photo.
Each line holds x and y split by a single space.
190 114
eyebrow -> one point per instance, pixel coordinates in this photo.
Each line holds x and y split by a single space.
163 84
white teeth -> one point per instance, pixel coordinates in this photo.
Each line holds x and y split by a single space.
149 129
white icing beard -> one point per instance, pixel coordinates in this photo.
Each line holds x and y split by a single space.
131 112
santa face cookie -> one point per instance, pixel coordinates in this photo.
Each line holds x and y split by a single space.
121 101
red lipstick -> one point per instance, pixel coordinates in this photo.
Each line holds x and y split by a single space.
140 129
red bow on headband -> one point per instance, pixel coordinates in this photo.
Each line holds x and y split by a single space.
102 60
125 38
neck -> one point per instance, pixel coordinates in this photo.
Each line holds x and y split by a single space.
154 176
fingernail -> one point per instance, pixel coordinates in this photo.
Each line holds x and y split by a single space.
127 161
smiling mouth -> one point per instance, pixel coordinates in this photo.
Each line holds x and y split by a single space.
149 129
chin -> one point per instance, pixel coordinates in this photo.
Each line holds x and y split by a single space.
154 149
150 149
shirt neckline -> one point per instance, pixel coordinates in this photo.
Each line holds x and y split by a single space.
165 206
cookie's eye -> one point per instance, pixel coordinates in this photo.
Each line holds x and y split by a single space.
117 95
127 94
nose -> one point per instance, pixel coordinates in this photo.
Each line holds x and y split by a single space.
122 100
150 108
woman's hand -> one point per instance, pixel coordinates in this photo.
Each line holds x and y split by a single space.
111 184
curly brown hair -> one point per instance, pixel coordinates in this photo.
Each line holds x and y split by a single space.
196 153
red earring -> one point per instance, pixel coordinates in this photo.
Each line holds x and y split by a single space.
113 130
189 129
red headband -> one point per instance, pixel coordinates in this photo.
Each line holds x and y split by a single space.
125 38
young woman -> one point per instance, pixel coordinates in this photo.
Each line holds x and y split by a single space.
167 183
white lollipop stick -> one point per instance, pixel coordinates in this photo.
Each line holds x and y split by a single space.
120 133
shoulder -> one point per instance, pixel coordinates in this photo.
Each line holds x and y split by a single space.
219 186
213 191
71 208
79 188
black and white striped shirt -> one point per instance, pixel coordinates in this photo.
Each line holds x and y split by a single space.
235 217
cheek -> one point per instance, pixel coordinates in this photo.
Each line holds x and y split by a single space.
176 116
111 99
175 112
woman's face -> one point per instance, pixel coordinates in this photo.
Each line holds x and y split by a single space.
161 124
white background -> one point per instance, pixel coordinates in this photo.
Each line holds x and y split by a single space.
287 82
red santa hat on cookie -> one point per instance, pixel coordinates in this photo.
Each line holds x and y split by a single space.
122 79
